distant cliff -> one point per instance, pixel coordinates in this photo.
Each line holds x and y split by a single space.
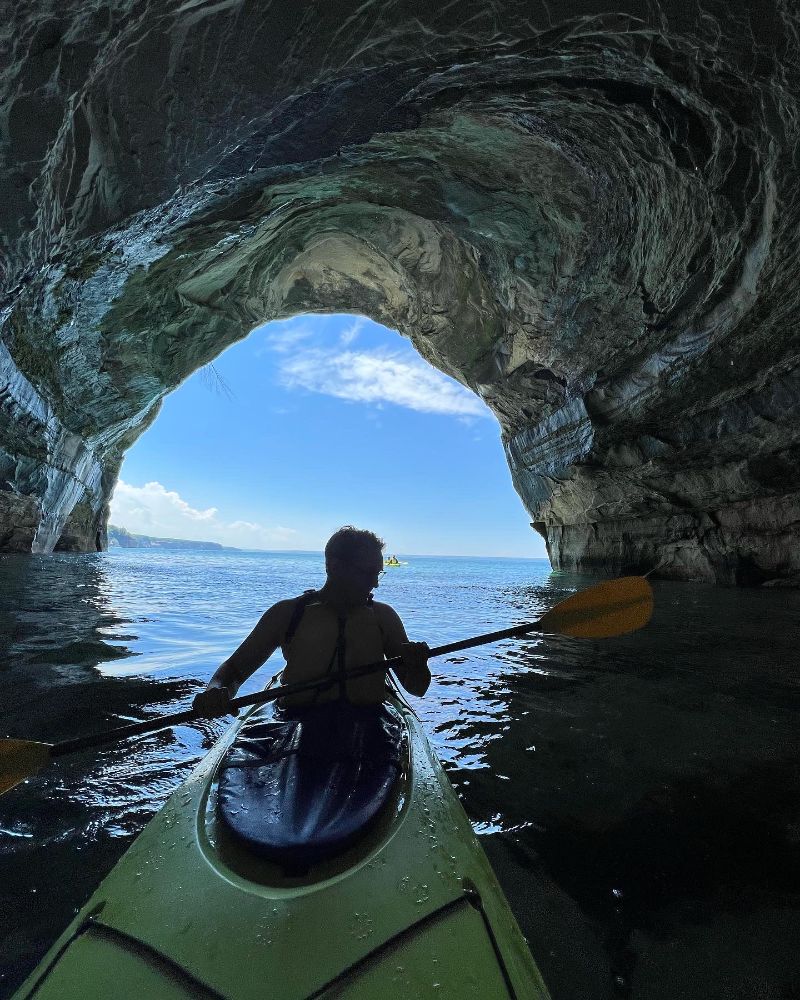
122 538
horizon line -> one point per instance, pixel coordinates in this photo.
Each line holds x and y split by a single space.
317 552
398 552
320 552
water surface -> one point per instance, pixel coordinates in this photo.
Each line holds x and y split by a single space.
639 797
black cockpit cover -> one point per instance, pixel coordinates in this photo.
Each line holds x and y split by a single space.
300 788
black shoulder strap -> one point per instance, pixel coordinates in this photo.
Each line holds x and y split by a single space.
298 611
371 606
341 667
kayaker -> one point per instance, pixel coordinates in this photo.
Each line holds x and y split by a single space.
328 632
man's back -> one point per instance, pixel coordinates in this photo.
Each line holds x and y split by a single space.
313 651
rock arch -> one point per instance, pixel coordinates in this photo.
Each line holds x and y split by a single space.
592 224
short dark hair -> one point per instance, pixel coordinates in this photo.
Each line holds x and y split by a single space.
348 541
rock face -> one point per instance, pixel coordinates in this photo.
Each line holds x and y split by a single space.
588 214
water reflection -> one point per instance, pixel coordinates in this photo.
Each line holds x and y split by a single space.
57 611
62 631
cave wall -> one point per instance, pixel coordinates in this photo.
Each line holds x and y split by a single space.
590 219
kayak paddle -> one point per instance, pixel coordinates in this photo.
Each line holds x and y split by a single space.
611 608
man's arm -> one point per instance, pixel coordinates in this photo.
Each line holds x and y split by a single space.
250 655
413 673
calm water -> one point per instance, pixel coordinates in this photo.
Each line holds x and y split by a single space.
639 797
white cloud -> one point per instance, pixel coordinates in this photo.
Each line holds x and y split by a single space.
154 510
373 377
380 377
349 335
286 338
276 534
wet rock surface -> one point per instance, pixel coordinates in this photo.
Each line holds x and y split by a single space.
589 217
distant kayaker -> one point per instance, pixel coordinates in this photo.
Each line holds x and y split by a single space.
327 633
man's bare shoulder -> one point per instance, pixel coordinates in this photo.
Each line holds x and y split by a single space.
384 609
280 613
386 615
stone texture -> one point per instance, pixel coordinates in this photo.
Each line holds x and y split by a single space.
586 214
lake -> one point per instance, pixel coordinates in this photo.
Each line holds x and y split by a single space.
639 797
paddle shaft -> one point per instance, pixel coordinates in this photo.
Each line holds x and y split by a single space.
283 691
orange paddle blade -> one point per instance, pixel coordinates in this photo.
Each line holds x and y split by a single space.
19 759
611 608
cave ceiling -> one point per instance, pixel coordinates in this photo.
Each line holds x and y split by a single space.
587 214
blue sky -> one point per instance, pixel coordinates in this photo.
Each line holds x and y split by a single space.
319 421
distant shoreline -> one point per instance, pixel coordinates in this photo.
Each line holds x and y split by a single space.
121 538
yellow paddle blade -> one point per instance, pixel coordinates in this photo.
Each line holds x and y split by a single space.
613 607
19 759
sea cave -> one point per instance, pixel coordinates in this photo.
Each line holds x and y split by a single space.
589 218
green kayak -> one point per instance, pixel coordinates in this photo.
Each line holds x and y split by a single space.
410 908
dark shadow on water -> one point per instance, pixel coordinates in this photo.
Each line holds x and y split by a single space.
684 855
647 831
726 845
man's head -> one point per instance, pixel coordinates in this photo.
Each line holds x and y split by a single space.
354 559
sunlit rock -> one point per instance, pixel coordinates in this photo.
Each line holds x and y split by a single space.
591 222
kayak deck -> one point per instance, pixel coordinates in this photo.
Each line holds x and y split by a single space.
413 910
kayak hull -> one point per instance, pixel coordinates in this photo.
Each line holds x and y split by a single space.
411 911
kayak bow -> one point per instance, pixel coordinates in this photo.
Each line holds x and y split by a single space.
412 909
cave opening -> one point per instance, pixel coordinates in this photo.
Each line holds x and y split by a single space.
315 421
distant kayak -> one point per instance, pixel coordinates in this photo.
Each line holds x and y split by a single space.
395 562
